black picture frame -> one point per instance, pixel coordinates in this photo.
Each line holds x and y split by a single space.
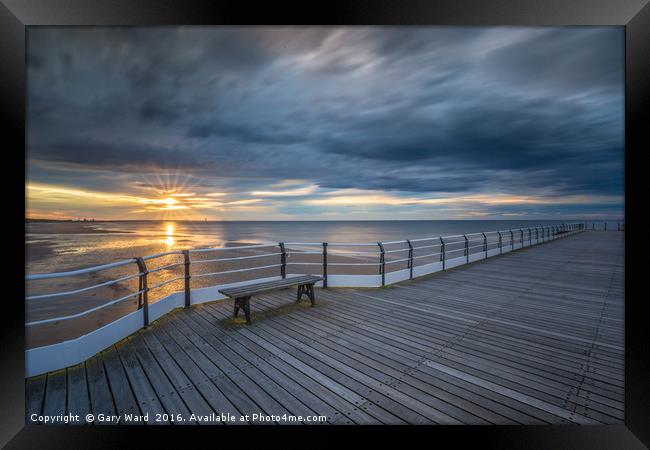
634 15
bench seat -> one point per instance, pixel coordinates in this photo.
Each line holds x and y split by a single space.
242 294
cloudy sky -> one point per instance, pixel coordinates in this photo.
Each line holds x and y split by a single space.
318 123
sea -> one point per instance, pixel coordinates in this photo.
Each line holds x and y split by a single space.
55 247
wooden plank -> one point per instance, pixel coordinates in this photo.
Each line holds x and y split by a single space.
170 399
55 394
125 401
379 367
333 407
415 325
101 400
148 400
215 398
286 401
34 397
385 346
408 407
78 396
490 349
249 365
409 368
262 400
343 409
178 384
325 378
560 412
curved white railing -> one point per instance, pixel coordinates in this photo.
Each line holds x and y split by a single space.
417 257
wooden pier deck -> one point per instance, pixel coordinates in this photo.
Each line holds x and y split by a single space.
534 336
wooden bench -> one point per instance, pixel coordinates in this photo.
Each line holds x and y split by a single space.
242 294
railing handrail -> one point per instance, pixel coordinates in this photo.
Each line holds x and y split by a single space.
44 276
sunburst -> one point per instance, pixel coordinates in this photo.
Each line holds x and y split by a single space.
172 187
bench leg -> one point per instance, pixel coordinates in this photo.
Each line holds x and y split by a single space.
243 303
310 294
247 310
307 289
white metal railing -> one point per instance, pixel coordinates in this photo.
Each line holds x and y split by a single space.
390 261
441 248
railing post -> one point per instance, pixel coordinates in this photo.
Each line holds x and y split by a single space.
521 237
382 263
142 267
410 259
324 265
530 237
500 244
443 257
466 248
537 235
512 240
605 226
283 260
186 259
485 244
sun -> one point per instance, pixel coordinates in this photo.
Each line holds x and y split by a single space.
170 201
174 196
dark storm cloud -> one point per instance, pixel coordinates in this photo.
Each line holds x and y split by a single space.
420 110
95 155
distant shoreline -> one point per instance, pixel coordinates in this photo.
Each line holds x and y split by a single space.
70 227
